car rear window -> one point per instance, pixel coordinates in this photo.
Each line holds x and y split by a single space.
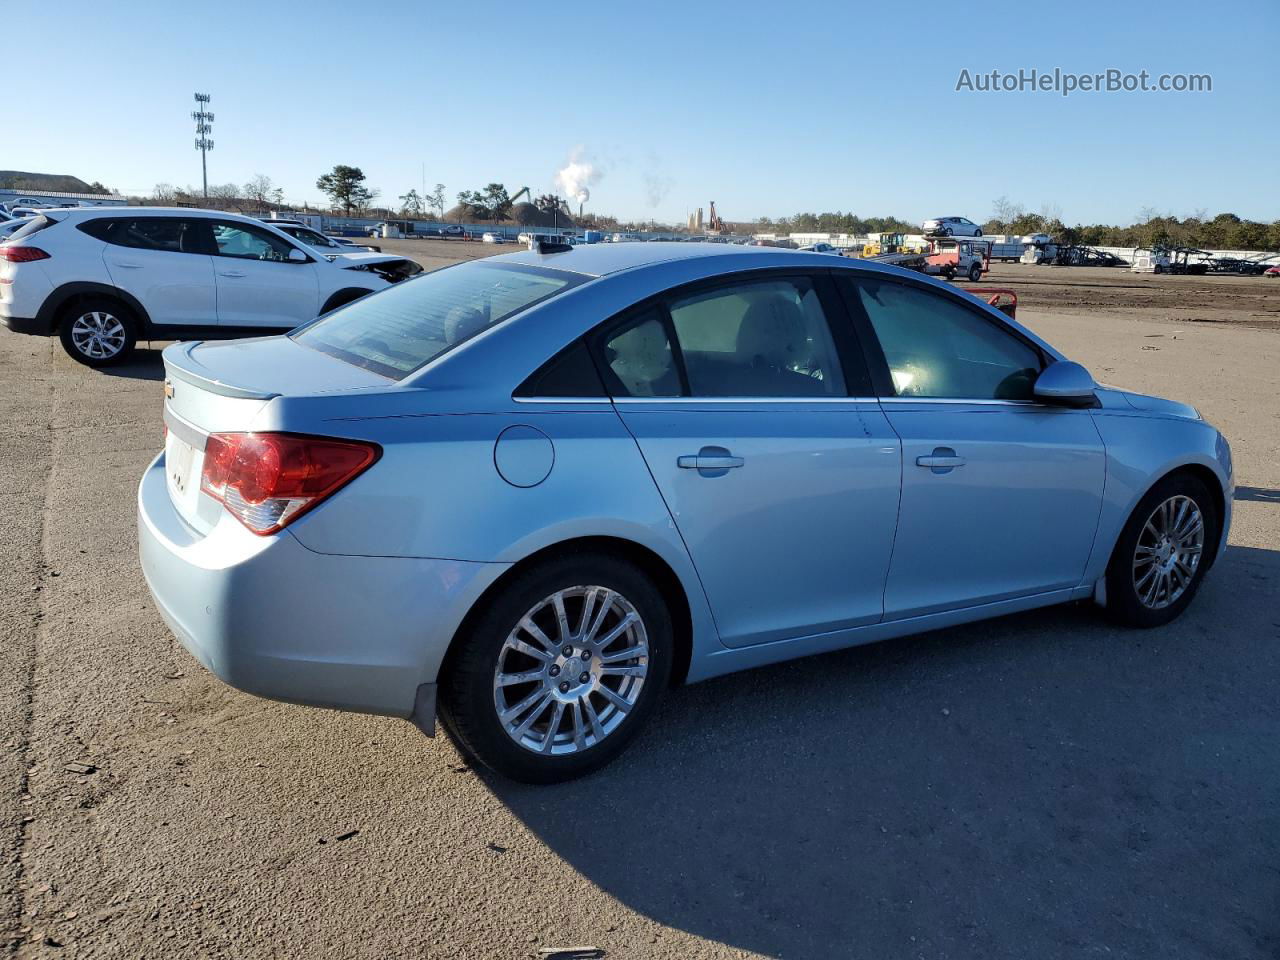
34 225
407 326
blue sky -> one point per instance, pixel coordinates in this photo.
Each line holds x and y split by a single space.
767 108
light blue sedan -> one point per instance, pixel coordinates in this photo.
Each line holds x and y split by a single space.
534 491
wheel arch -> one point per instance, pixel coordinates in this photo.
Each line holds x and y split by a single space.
1201 472
666 579
1216 491
68 294
341 298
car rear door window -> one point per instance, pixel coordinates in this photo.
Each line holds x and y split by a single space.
164 234
765 338
939 348
640 358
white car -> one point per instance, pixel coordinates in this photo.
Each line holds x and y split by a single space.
951 227
493 238
821 248
101 278
317 241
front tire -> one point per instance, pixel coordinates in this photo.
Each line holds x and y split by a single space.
98 331
975 273
1163 552
559 672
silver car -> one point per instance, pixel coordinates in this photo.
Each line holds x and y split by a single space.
951 227
533 491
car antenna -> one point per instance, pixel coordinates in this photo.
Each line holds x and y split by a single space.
548 246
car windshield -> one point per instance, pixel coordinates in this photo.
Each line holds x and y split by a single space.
312 238
409 325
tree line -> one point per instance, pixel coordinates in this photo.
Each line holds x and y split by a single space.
348 193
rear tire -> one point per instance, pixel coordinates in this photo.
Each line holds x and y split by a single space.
98 331
1160 559
569 727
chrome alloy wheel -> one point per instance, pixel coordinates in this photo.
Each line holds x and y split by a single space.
1168 552
571 670
98 335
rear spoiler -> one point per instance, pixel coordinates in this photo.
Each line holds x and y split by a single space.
180 365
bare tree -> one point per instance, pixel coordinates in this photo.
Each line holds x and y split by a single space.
1005 210
260 190
164 193
226 196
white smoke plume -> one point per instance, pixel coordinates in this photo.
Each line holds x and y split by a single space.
576 177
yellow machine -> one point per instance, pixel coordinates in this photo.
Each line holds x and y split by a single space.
889 243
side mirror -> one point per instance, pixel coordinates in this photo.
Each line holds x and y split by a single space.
297 256
1067 383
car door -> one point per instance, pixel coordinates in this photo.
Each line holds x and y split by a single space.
258 285
163 263
753 414
1000 494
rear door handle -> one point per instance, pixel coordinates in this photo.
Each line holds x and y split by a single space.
710 461
230 273
942 460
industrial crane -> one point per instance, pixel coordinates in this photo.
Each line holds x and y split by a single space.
715 225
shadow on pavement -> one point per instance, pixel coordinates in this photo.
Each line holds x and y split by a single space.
1260 494
1041 785
145 364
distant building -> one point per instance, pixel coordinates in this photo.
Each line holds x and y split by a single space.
12 195
695 220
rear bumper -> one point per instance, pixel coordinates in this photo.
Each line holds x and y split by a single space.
278 620
34 326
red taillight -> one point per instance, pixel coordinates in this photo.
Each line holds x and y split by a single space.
267 480
21 254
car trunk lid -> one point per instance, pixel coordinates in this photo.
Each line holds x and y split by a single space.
224 388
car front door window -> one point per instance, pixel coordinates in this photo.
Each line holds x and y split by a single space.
237 240
937 348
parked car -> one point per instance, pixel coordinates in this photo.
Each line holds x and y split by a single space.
533 490
100 278
452 230
1272 271
951 227
493 238
821 248
321 243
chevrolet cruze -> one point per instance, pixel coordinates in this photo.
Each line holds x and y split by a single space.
533 491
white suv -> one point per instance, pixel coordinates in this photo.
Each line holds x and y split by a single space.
951 227
103 278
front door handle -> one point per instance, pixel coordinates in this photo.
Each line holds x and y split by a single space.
230 273
710 461
130 266
942 460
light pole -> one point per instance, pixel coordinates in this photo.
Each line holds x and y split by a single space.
204 127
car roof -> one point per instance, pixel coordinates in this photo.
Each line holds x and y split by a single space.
601 259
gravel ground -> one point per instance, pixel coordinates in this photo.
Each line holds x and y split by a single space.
1039 786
